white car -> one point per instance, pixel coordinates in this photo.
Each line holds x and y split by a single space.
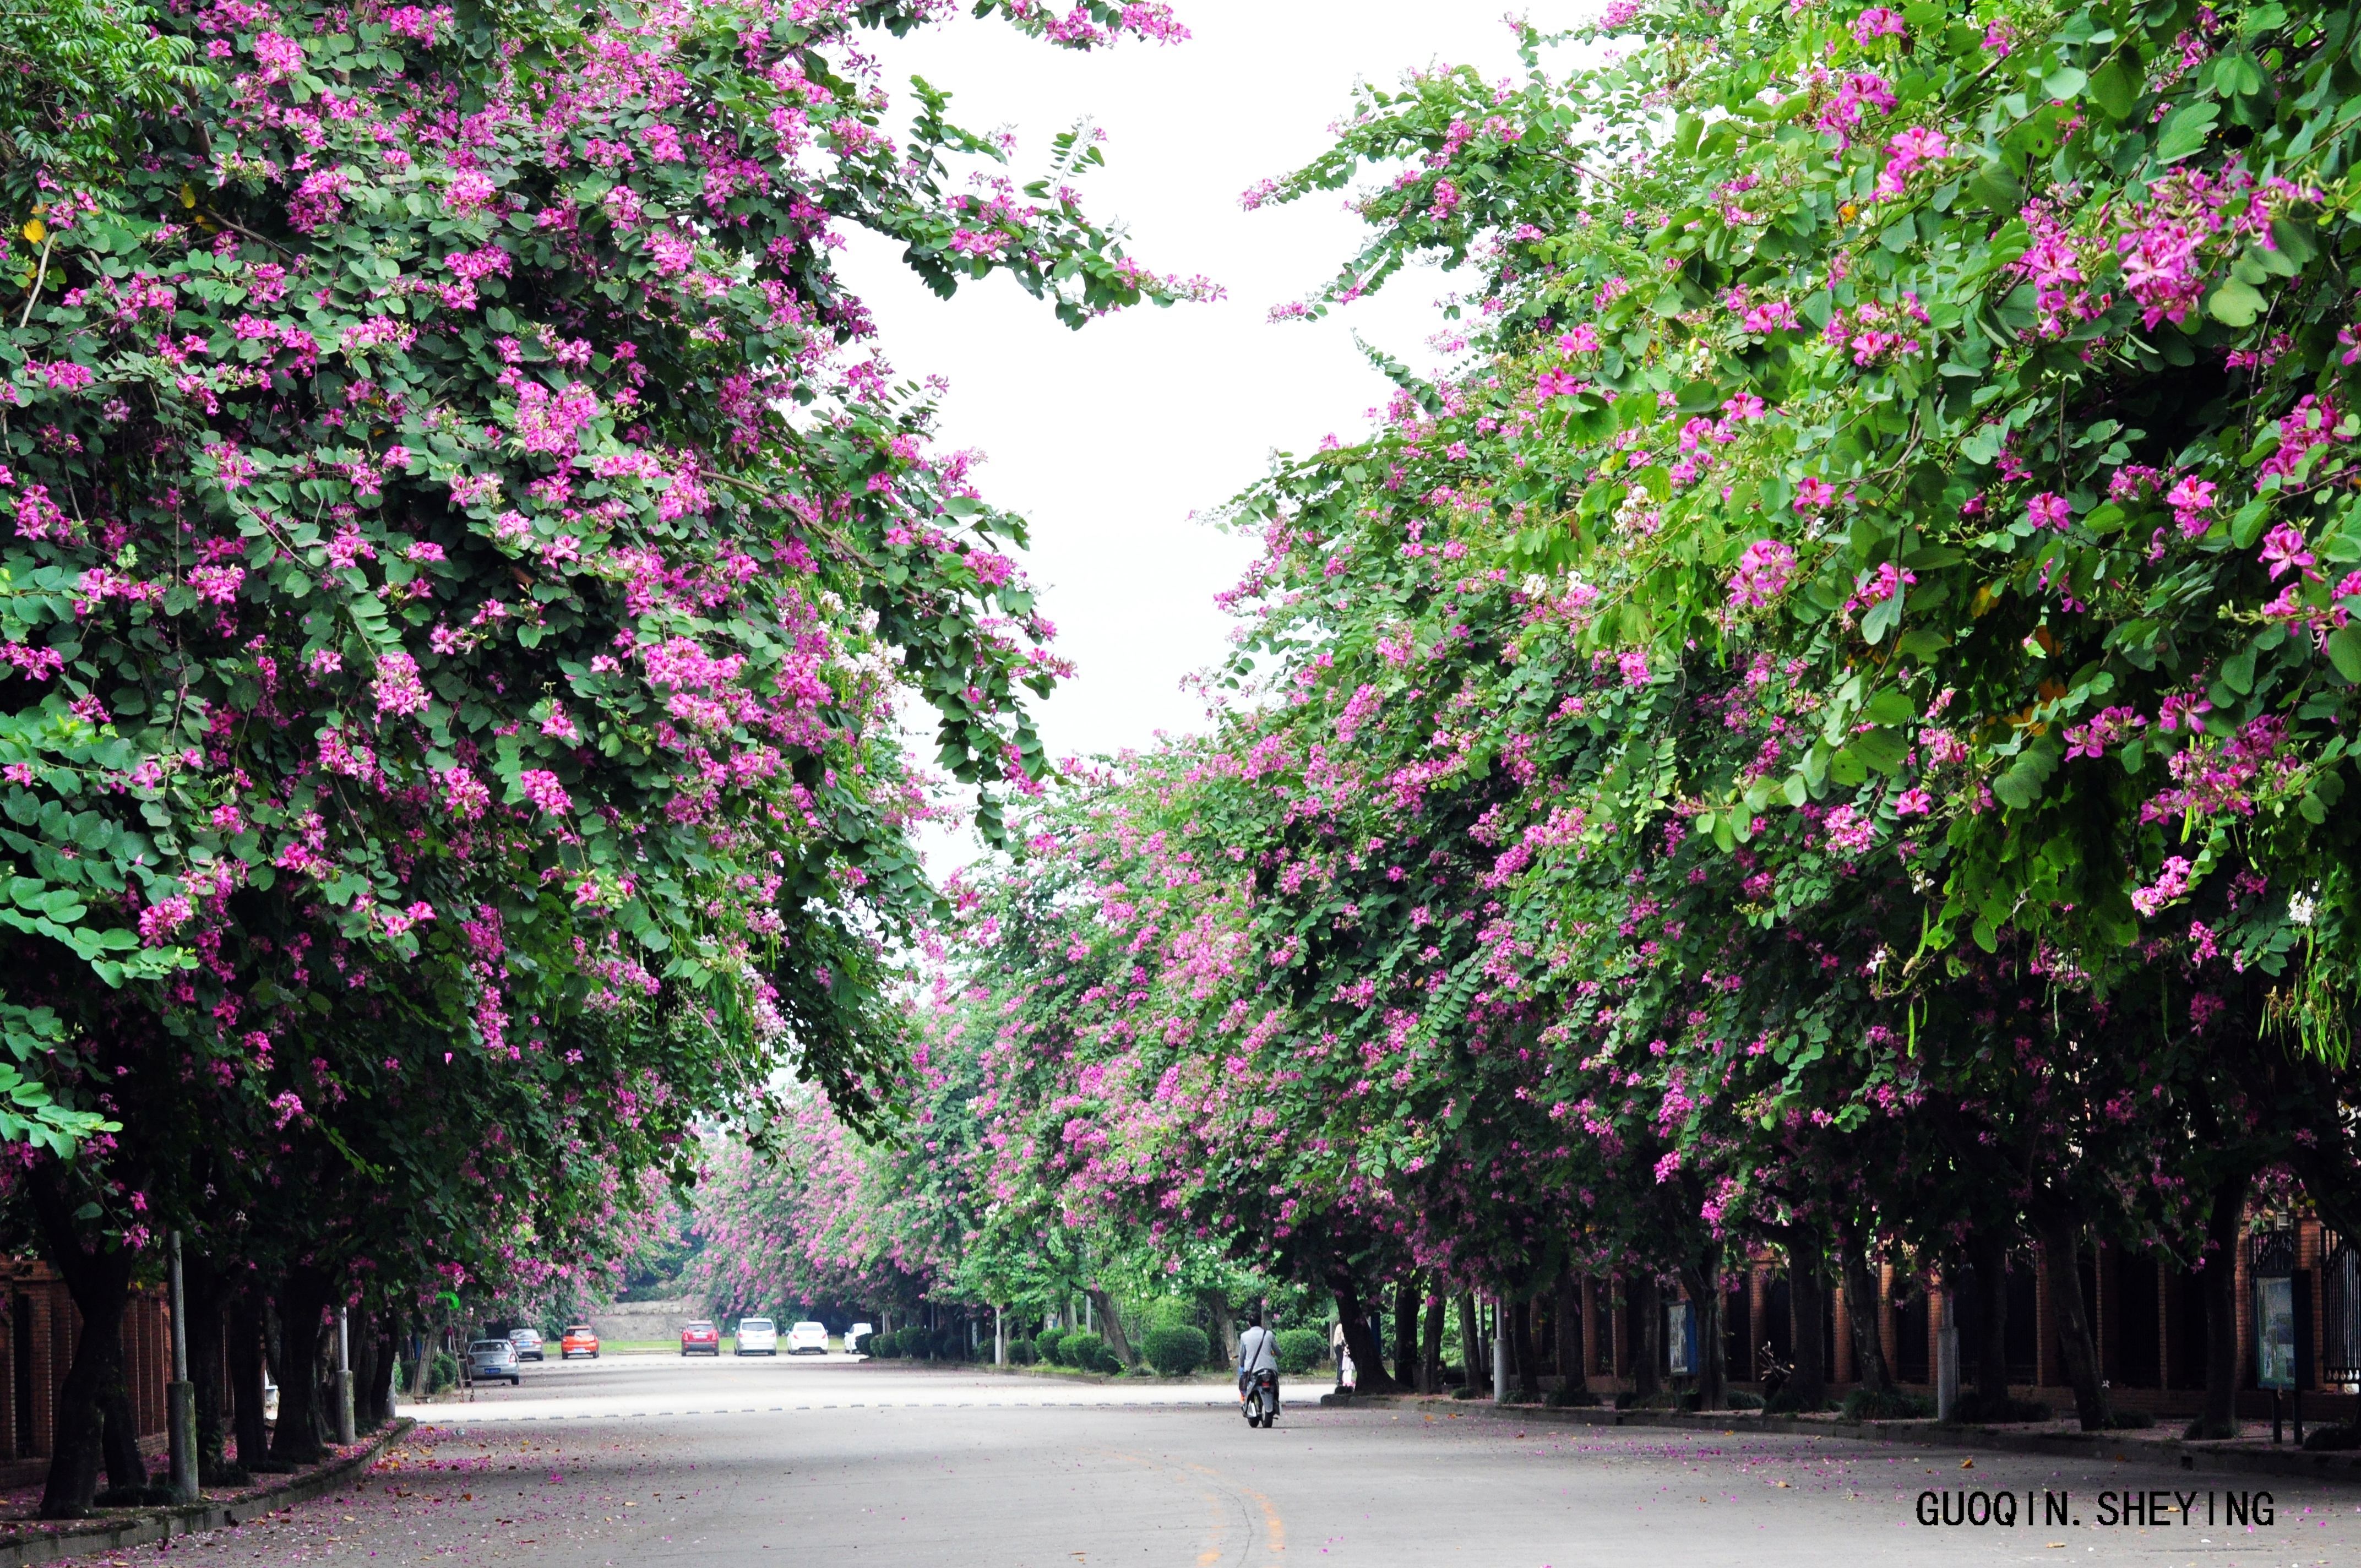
854 1335
759 1336
812 1337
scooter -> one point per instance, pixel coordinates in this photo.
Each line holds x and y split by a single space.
1775 1373
1261 1401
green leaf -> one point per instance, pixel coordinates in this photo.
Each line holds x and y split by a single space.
2185 130
2115 88
2345 651
2236 304
2064 83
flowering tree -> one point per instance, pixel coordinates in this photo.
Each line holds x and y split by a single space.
464 562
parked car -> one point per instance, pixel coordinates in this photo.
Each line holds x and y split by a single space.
579 1340
489 1360
808 1337
854 1335
700 1339
528 1344
758 1336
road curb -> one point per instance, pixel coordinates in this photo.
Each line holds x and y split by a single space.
150 1524
2099 1448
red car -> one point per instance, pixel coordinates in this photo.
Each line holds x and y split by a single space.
700 1339
579 1341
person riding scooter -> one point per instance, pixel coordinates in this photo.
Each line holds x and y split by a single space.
1258 1369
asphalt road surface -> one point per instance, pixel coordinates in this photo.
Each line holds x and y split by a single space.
761 1464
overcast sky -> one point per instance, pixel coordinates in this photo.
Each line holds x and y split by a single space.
1112 440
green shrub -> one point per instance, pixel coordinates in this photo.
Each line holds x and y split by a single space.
2138 1421
1972 1410
2330 1439
1088 1352
1166 1312
443 1372
1022 1352
1178 1351
1052 1346
1888 1404
1742 1400
1571 1399
1300 1350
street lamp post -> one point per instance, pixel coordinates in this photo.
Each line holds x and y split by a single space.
180 1394
345 1434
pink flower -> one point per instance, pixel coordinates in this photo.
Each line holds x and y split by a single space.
2111 728
1877 22
2170 884
2047 511
2190 499
1634 667
1813 494
541 787
1905 153
162 918
1583 339
1555 384
398 689
2283 552
2183 710
1913 803
1762 574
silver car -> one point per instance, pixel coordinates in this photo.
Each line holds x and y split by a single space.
489 1360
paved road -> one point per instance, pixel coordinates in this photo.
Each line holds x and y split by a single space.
769 1465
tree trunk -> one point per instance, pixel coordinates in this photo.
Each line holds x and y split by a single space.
1525 1373
1225 1328
2223 1226
2062 1260
1990 1251
126 1467
1368 1357
1430 1352
1704 1282
1568 1324
202 1284
1646 1311
364 1341
100 1283
1861 1312
1111 1327
244 1349
1807 1306
1406 1297
380 1390
1471 1342
301 1298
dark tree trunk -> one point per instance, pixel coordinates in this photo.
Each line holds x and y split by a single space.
1567 1320
243 1348
1111 1327
1863 1317
126 1466
376 1394
1368 1357
1471 1342
364 1338
1225 1328
1990 1251
2219 1281
100 1283
1647 1317
1430 1350
1524 1376
1808 1305
2062 1260
1406 1294
301 1298
1704 1282
201 1282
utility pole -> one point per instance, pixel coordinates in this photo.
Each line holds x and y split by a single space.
180 1394
999 1338
345 1435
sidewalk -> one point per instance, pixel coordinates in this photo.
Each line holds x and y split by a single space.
2250 1453
24 1539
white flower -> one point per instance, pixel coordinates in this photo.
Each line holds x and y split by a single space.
2302 907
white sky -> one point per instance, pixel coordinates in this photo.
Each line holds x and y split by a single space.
1109 439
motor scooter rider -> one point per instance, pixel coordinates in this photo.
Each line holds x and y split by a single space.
1257 1352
